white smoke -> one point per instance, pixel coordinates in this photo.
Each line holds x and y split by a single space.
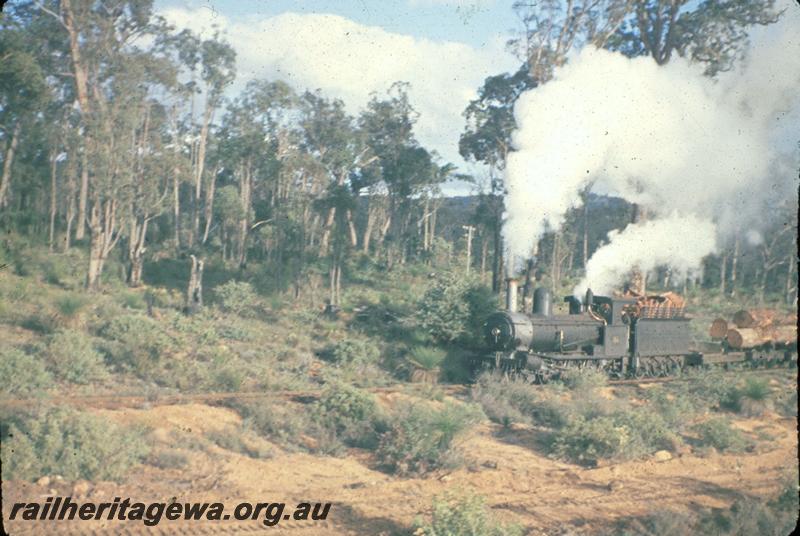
665 137
665 242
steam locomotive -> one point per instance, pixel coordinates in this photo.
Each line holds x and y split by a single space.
616 335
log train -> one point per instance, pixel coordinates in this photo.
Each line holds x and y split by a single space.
623 336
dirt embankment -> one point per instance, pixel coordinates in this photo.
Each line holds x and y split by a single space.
519 483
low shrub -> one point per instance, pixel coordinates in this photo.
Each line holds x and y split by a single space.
69 306
427 357
354 351
622 434
168 459
138 342
454 308
584 379
420 438
72 444
22 373
505 401
583 440
238 297
72 357
467 515
352 413
719 433
238 439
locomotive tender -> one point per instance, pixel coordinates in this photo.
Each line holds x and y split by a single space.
616 335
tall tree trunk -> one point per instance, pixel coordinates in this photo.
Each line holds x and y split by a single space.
194 291
208 214
352 228
723 265
80 73
200 163
136 249
245 194
497 260
484 253
53 198
734 263
5 179
790 276
368 228
326 231
176 205
103 237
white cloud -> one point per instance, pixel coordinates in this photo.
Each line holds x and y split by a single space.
349 61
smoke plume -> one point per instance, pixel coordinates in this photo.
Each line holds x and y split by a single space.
703 156
665 242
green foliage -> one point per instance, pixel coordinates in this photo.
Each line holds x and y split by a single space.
427 357
354 351
168 459
238 297
466 515
352 413
454 308
22 373
72 444
587 436
420 438
238 439
69 305
72 357
583 440
137 342
718 433
584 379
506 402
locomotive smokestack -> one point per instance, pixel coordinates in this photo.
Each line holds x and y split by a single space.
511 295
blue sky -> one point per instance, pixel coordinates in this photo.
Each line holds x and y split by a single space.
350 49
467 21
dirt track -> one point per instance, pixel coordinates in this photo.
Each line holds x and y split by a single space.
519 482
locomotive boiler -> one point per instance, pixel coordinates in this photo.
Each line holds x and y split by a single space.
616 334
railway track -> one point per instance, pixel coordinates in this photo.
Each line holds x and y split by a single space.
306 396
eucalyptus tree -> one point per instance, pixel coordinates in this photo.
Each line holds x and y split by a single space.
22 92
404 168
339 153
252 140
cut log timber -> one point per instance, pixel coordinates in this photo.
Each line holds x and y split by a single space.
719 328
783 334
745 338
754 318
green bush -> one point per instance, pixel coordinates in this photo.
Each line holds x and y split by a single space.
427 357
68 306
506 402
454 308
238 297
72 444
72 357
168 459
238 439
622 434
138 342
584 379
583 440
354 351
22 373
466 515
352 413
719 433
420 438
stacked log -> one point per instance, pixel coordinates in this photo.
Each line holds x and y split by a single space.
719 329
752 328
